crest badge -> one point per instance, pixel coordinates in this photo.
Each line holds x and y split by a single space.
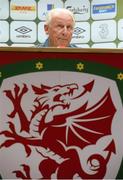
60 125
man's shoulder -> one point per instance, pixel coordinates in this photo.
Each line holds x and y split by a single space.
46 45
72 46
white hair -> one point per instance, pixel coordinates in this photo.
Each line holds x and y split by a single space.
52 12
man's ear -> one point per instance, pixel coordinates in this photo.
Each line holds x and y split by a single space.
46 29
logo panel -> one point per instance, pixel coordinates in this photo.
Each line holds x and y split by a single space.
3 45
23 32
41 33
44 6
120 45
120 29
81 33
4 9
4 31
103 31
23 10
104 45
101 10
22 45
81 9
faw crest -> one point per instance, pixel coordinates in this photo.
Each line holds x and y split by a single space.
60 125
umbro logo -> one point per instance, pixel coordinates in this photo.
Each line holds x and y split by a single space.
78 30
23 30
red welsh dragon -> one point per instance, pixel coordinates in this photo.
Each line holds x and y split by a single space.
61 128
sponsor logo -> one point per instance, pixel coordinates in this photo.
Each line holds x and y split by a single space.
103 32
23 8
78 33
104 8
78 10
50 6
23 30
78 30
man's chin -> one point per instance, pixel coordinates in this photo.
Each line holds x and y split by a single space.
62 45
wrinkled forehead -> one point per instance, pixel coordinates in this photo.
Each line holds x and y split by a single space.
62 18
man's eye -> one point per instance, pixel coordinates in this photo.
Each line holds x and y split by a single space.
60 26
69 27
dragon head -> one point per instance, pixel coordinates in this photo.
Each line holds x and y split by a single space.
55 96
54 99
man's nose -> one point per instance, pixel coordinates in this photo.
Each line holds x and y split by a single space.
65 30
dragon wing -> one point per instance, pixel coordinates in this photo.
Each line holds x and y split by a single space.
86 125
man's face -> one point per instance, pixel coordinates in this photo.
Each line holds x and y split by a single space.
60 30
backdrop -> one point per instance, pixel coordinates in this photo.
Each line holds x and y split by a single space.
99 23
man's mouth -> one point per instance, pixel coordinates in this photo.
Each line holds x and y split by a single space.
61 39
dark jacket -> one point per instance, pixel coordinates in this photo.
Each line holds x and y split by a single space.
46 44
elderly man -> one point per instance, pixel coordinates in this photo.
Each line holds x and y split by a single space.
59 27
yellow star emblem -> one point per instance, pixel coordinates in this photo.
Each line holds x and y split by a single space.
80 66
39 65
120 76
